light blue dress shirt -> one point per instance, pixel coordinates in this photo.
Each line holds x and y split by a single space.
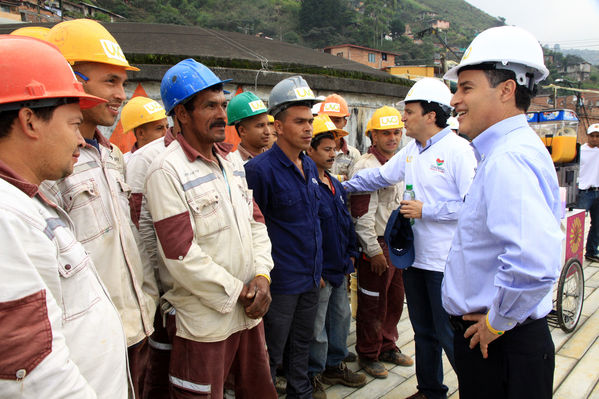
506 253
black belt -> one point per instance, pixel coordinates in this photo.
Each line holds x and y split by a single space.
460 325
591 189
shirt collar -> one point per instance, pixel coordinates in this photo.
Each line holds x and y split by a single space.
103 141
484 143
436 138
8 174
245 154
169 137
278 152
134 148
377 154
192 154
343 148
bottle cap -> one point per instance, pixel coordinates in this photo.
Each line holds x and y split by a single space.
409 187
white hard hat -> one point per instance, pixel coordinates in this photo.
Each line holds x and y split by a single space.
594 128
431 90
508 47
453 123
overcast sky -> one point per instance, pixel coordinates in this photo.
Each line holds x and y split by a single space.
571 23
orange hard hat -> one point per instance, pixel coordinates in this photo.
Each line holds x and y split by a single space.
334 105
27 80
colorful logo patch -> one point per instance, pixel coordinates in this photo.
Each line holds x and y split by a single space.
112 50
332 107
330 125
440 162
392 120
303 92
153 107
257 105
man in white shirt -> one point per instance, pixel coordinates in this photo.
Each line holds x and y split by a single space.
588 186
440 166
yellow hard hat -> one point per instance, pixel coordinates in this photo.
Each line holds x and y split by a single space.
385 118
84 40
139 111
271 119
37 32
322 124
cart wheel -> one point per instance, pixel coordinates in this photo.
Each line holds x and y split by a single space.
570 295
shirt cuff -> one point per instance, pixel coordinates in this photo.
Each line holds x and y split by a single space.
499 322
427 213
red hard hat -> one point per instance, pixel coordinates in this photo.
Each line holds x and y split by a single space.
32 70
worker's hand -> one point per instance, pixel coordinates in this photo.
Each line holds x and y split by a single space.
479 332
378 264
259 296
243 297
411 209
322 283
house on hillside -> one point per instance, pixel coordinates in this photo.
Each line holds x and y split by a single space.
51 11
578 72
364 55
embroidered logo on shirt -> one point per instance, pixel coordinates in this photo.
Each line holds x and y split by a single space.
438 166
408 159
314 181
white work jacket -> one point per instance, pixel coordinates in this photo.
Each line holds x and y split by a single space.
60 335
96 197
208 239
371 211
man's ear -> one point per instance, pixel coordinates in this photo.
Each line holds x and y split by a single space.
278 127
181 114
508 90
29 123
138 133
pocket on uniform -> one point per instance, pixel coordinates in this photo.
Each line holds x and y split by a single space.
78 278
84 205
208 212
285 205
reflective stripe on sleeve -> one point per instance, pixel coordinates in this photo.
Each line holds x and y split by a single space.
369 293
159 345
190 386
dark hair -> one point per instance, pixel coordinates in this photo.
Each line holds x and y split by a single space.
524 95
442 112
319 137
189 103
7 118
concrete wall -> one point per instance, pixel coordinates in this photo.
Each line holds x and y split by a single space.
363 97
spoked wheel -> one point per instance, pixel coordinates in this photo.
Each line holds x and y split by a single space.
570 295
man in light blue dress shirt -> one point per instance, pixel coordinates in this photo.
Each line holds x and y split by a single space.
505 255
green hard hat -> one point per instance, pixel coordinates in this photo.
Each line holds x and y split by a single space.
243 106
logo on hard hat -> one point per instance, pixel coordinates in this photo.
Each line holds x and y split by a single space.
332 107
330 125
303 92
257 105
389 120
410 92
467 53
153 107
112 50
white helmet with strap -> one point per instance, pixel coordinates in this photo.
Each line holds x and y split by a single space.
506 47
430 90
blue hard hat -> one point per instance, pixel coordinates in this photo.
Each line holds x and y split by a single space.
185 79
400 240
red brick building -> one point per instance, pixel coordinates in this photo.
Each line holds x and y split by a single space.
364 55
